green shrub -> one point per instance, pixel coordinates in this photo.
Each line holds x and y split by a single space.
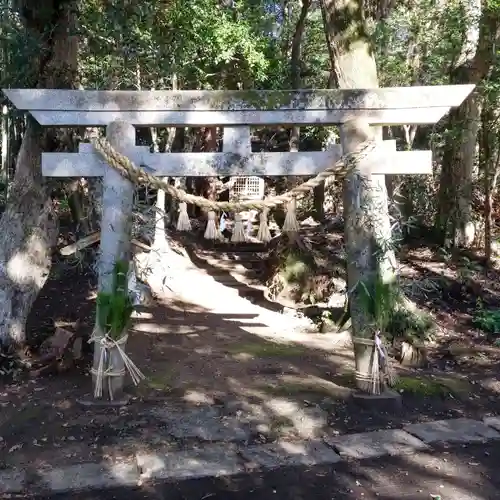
410 326
487 320
384 303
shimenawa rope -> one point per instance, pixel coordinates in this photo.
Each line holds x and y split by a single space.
137 175
381 372
106 344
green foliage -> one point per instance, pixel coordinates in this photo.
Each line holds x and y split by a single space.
297 266
20 47
416 44
379 300
420 387
142 44
383 302
487 320
410 326
114 309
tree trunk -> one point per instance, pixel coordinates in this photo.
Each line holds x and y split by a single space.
464 223
206 186
76 201
369 252
29 223
454 217
295 76
295 65
319 191
398 192
490 162
4 170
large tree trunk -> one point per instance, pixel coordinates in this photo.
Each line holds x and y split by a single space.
369 253
454 219
295 77
29 224
295 65
490 162
206 186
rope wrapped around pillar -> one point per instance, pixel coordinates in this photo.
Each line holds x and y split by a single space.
381 372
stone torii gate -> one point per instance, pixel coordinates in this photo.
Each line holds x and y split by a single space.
236 112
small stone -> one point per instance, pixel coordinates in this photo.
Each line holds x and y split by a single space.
492 422
11 481
91 476
459 430
289 454
213 460
387 401
376 444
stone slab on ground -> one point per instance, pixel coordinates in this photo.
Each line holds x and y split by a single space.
459 430
91 476
212 460
287 453
203 423
376 444
492 422
12 481
388 401
227 459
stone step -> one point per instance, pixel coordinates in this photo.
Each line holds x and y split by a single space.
219 246
242 286
229 266
233 265
231 256
235 281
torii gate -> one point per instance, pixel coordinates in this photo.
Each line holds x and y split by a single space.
235 111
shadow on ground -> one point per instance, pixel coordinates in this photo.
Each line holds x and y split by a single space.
236 383
211 378
457 473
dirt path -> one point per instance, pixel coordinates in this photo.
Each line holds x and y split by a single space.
208 347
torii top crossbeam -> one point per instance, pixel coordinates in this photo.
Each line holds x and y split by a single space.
237 111
384 106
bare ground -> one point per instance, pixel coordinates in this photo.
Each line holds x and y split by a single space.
230 355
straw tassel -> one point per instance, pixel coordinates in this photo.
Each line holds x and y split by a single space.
106 343
211 230
264 234
390 375
375 372
222 227
222 222
183 222
248 229
238 230
291 224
